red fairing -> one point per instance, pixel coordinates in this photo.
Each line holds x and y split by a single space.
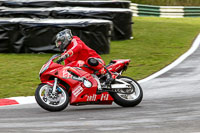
56 70
79 93
83 95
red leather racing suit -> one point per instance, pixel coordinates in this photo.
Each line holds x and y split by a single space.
79 53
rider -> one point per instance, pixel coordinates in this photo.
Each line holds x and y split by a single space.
77 53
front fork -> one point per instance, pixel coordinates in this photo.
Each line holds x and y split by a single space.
55 85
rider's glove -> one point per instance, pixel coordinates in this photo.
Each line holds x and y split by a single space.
64 56
59 60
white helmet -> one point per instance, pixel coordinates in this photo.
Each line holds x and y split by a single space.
63 39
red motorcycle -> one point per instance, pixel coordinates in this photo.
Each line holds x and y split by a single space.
61 85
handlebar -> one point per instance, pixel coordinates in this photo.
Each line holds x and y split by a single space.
59 60
62 58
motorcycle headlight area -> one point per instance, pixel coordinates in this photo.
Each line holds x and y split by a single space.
87 83
44 67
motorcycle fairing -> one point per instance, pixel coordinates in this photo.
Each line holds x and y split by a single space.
83 95
79 93
84 99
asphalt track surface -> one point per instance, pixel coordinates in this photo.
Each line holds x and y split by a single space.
171 104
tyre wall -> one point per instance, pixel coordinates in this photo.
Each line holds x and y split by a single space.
23 35
64 3
121 18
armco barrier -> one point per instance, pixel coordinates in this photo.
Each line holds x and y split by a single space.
165 11
23 35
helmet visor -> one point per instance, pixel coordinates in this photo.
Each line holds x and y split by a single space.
58 43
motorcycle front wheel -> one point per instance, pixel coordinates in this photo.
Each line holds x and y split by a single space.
128 100
51 101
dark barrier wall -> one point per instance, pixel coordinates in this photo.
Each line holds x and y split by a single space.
121 18
30 35
63 3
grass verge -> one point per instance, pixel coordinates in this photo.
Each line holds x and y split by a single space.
157 42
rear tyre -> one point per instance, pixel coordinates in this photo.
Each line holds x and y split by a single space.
49 101
128 100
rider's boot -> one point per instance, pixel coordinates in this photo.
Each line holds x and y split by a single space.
110 77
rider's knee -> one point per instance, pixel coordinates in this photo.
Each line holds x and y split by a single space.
95 63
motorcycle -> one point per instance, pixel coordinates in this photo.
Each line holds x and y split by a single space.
63 85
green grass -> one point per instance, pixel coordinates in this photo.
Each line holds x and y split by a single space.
157 42
169 2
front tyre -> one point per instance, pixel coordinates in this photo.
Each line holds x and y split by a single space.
51 101
128 100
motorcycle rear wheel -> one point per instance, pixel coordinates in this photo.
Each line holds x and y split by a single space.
128 100
49 101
